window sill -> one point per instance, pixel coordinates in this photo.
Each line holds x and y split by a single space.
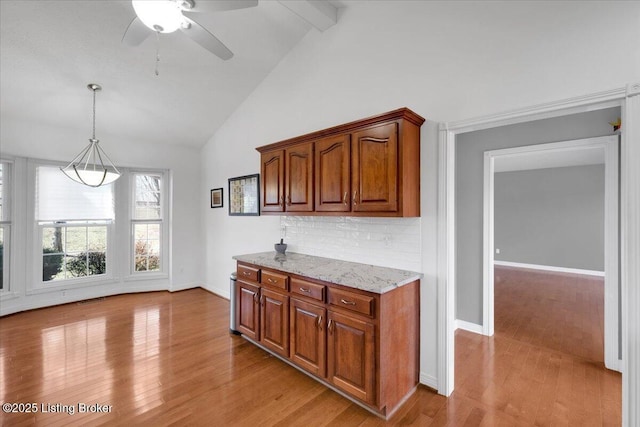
44 287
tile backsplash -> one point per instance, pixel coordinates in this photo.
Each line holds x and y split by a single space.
388 242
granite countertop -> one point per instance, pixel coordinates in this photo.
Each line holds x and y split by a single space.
370 278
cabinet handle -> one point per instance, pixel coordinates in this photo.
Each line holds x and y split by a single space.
255 297
288 200
320 322
246 273
344 198
344 301
330 326
305 290
262 300
270 280
355 193
281 200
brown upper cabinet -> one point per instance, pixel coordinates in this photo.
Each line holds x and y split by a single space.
333 174
287 179
370 167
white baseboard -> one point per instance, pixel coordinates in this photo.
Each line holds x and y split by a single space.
429 380
184 286
221 292
468 326
617 365
549 268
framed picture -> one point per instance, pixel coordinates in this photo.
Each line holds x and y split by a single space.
216 198
244 195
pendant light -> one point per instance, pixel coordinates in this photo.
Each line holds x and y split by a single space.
89 167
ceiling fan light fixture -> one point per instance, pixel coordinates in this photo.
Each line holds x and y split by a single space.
164 16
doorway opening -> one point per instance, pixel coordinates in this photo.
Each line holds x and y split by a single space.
590 151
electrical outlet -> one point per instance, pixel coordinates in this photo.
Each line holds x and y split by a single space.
497 251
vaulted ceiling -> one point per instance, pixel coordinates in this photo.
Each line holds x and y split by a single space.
51 49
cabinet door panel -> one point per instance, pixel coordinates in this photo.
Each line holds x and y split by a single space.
375 169
248 309
333 180
299 178
308 336
272 174
274 321
351 357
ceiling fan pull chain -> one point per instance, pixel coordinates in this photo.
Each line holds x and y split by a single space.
157 52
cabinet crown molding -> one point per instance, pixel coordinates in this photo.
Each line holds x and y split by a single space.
401 113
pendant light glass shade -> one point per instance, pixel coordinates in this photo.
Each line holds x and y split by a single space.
92 167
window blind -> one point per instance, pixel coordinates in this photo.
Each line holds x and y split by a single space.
60 199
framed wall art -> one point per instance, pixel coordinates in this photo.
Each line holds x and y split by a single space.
217 200
244 195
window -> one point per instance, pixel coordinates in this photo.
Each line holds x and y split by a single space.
147 222
5 224
74 226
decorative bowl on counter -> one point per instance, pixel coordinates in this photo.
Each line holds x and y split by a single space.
280 247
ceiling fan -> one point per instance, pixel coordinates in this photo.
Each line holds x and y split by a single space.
167 16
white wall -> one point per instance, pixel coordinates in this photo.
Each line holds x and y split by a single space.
35 140
445 60
551 217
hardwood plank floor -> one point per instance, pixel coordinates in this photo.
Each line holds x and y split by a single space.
168 359
558 311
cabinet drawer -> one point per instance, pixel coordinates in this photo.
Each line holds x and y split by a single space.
276 280
248 273
351 301
307 289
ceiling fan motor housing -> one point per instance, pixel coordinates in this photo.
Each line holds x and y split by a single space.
164 16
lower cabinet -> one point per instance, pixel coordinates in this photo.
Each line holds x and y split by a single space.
351 354
248 309
308 336
274 321
361 343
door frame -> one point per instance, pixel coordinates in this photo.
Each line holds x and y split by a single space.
609 147
629 99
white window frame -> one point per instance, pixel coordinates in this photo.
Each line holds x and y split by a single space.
108 275
163 221
40 286
6 224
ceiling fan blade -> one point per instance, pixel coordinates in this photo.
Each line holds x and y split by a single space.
204 38
221 5
136 33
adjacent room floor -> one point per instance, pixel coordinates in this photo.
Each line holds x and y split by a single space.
167 358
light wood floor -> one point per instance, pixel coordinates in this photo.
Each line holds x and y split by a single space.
168 359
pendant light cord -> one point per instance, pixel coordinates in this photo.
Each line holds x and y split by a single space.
94 114
157 53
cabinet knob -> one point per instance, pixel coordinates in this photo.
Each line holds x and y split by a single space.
344 301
